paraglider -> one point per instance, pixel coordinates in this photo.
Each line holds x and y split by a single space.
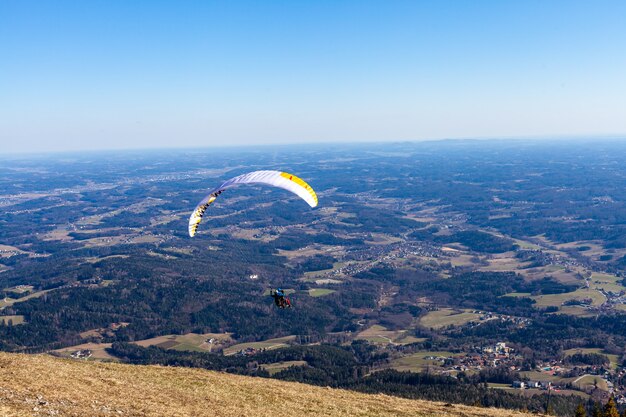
280 298
278 179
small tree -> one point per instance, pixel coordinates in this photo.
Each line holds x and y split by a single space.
610 409
580 411
597 410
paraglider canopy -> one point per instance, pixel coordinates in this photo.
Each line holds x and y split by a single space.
278 179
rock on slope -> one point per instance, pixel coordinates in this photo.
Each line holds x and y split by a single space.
42 385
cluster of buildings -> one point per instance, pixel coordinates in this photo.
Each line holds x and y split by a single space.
6 253
487 315
394 251
613 298
81 354
422 249
383 253
541 258
501 355
532 384
486 357
249 351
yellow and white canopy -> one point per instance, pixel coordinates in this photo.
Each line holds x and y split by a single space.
279 179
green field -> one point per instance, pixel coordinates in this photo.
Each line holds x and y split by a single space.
578 311
583 382
188 342
461 259
418 362
606 282
382 239
273 368
319 292
526 245
408 339
10 301
336 265
517 294
185 347
20 289
539 376
558 299
447 317
554 268
589 381
613 358
499 386
378 334
266 344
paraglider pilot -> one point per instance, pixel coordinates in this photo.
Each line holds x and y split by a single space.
280 299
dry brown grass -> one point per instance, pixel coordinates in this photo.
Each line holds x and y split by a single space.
38 385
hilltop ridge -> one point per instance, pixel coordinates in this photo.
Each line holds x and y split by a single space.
42 385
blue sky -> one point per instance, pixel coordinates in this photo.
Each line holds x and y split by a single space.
80 75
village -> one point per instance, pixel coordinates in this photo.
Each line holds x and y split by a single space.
555 376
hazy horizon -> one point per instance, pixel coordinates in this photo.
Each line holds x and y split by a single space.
327 145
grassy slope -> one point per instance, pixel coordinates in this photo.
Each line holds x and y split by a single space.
44 385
